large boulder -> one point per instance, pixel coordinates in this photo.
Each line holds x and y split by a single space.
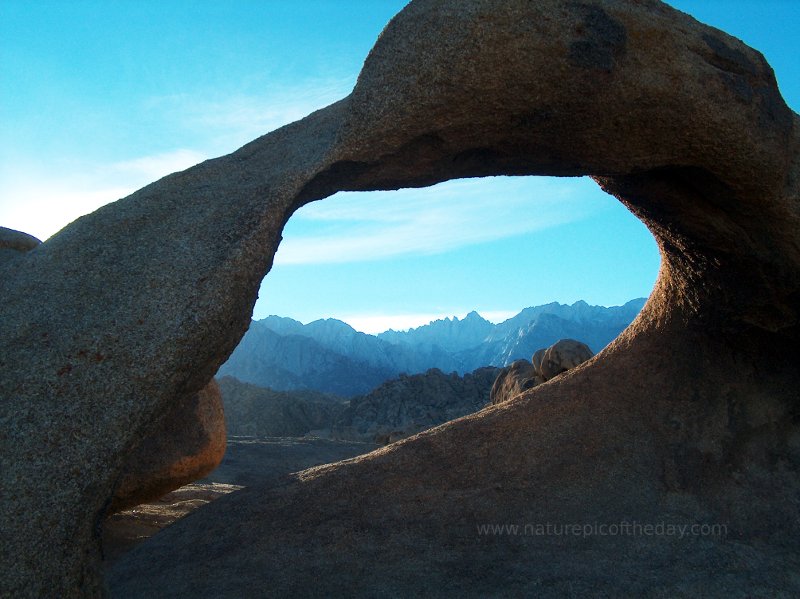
544 365
109 321
536 360
561 356
13 243
513 380
186 445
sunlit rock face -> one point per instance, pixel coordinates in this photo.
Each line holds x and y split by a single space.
186 445
562 356
690 417
546 363
513 380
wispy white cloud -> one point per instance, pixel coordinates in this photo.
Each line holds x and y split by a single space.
42 199
150 168
356 227
229 121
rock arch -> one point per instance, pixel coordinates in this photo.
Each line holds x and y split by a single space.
692 411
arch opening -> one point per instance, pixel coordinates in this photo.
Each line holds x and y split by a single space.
486 271
554 225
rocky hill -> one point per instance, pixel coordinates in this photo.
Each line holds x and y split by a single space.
256 411
399 407
412 403
330 356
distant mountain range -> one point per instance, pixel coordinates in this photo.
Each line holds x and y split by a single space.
330 356
409 404
397 408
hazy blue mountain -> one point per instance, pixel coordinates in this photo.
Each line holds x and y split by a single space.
541 326
290 362
579 312
330 356
283 325
260 412
343 339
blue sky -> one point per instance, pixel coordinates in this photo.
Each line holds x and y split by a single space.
98 98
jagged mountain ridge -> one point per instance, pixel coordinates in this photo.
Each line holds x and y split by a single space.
330 356
450 334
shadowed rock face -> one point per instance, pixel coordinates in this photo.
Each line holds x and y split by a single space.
563 355
690 416
409 404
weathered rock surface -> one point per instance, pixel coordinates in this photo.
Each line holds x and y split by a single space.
513 380
697 398
261 461
184 446
545 364
561 356
125 529
412 403
247 461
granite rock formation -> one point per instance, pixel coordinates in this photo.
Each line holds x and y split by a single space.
561 356
536 360
187 444
129 308
545 364
513 380
395 409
